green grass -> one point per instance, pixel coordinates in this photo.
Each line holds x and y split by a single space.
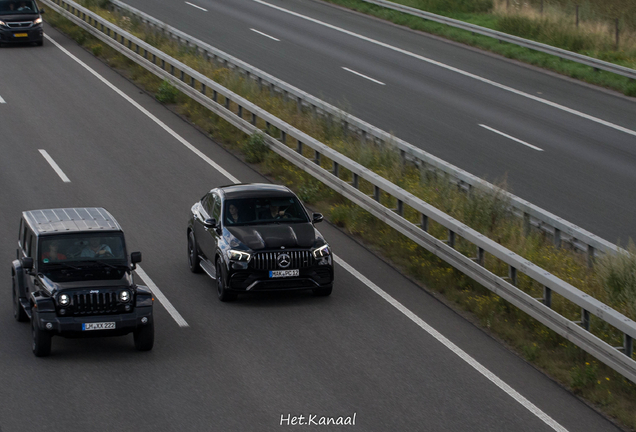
559 358
555 28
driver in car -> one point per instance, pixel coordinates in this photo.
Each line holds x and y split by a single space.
95 248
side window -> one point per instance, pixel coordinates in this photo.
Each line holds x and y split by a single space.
20 234
24 235
216 210
29 245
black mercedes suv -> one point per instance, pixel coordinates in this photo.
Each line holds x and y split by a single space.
72 278
258 237
20 22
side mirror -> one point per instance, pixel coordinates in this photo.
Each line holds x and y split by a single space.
135 257
27 263
210 223
317 217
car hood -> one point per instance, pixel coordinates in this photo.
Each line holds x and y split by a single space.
277 236
18 17
57 285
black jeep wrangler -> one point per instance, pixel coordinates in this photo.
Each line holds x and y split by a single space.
72 278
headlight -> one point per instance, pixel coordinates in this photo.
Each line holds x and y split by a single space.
124 296
236 255
322 252
64 299
37 21
2 23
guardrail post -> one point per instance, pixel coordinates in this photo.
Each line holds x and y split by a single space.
299 147
400 208
424 222
215 96
203 87
253 121
355 180
376 193
526 224
451 238
628 345
335 168
557 238
481 256
547 297
512 274
585 319
283 135
299 104
192 83
590 256
316 157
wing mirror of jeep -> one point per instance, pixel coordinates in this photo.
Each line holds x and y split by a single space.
317 217
27 263
210 223
135 257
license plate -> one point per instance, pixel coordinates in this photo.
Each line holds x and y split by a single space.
98 326
283 273
21 35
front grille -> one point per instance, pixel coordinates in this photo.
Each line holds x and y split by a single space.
19 25
269 260
94 303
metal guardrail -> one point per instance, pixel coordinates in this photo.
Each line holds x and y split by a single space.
235 109
560 229
504 37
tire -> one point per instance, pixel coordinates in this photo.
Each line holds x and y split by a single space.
18 311
194 262
144 336
224 294
40 42
322 292
41 339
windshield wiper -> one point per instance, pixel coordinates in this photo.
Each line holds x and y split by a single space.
48 265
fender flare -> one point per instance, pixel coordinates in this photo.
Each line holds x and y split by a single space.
18 274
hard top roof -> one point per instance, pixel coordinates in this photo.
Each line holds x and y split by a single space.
56 221
255 190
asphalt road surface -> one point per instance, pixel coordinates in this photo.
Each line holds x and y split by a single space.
483 113
371 349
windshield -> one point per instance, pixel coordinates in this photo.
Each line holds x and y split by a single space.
17 7
258 211
69 249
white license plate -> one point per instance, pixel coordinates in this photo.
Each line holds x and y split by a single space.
283 273
98 326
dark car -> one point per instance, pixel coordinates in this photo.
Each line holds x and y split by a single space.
72 278
258 237
20 22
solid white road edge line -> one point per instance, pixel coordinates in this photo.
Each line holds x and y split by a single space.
454 69
509 390
162 298
147 113
55 167
454 348
511 137
2 100
198 7
264 34
363 76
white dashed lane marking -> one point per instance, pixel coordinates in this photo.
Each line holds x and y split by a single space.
264 34
511 137
363 76
57 169
198 7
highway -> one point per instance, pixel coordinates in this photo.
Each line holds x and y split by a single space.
379 348
490 116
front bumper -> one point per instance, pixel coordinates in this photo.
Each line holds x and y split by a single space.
33 34
260 280
72 326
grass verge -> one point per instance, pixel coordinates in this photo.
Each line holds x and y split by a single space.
539 345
